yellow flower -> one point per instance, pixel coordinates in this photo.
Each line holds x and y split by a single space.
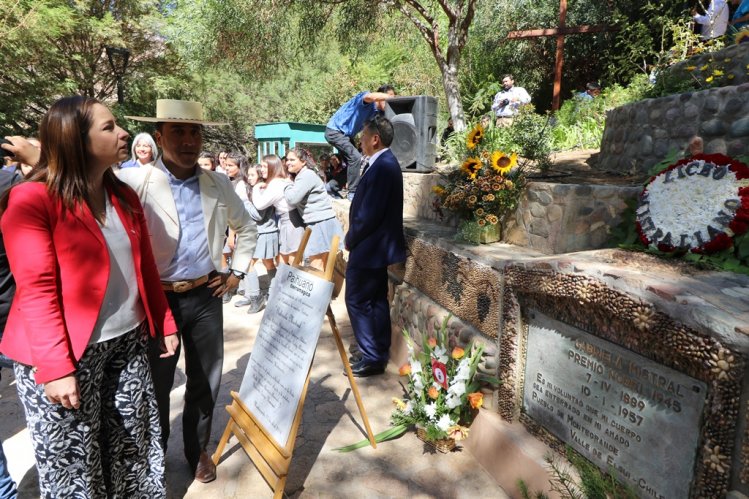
399 403
730 77
432 342
458 353
433 392
709 79
471 167
472 199
502 163
703 68
476 399
475 136
438 189
727 59
489 197
457 433
509 184
717 72
492 219
691 68
481 222
405 369
479 212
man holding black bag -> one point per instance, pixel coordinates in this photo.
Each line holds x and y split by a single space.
507 102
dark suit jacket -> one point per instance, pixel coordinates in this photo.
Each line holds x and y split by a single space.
375 235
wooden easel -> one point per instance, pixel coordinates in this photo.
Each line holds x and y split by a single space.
270 458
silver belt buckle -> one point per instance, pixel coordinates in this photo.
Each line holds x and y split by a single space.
181 286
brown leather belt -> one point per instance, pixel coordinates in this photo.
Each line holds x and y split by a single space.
184 286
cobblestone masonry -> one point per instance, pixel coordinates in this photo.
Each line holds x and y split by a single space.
551 218
641 134
693 321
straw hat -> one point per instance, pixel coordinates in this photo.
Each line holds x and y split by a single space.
177 111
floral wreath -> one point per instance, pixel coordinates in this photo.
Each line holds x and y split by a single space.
697 204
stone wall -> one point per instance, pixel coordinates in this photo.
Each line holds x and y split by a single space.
551 218
559 218
641 134
692 321
731 63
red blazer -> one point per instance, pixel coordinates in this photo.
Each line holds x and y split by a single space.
60 263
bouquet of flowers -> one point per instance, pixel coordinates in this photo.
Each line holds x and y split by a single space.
486 187
441 390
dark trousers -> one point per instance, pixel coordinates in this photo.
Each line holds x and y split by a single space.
369 312
200 321
351 156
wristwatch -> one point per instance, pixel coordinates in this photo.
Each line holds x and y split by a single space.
239 275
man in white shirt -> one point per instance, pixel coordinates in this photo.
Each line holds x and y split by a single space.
715 20
507 102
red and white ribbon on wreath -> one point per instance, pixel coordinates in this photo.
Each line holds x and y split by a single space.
697 204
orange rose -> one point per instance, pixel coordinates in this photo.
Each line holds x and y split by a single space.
432 342
458 353
476 399
433 393
405 369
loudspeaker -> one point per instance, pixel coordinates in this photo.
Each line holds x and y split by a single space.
414 122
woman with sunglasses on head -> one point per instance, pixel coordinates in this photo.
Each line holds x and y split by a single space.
308 195
82 311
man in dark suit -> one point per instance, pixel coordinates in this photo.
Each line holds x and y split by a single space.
375 240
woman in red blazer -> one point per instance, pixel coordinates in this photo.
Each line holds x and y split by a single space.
86 296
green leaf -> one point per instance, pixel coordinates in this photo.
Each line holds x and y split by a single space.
383 436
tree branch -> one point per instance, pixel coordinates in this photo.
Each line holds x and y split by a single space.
452 14
422 11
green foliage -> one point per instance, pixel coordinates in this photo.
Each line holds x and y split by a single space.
529 135
581 480
580 123
53 48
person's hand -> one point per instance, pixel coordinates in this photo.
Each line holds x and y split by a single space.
232 242
169 345
64 391
23 150
223 283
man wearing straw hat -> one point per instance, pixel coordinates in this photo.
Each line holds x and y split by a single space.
187 210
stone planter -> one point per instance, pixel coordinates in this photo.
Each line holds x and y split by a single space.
471 231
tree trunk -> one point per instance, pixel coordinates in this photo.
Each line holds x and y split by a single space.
452 93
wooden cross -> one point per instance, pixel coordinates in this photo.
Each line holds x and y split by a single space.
560 32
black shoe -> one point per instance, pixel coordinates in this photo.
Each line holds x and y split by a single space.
243 302
354 358
257 303
364 369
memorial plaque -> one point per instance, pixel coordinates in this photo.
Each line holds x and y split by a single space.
626 413
284 347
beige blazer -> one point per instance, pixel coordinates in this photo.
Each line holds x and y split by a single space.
221 208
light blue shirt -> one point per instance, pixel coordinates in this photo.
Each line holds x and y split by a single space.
351 116
192 259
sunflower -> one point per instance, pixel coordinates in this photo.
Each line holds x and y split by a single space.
502 163
471 167
475 136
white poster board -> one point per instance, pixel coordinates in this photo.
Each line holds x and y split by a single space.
284 348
